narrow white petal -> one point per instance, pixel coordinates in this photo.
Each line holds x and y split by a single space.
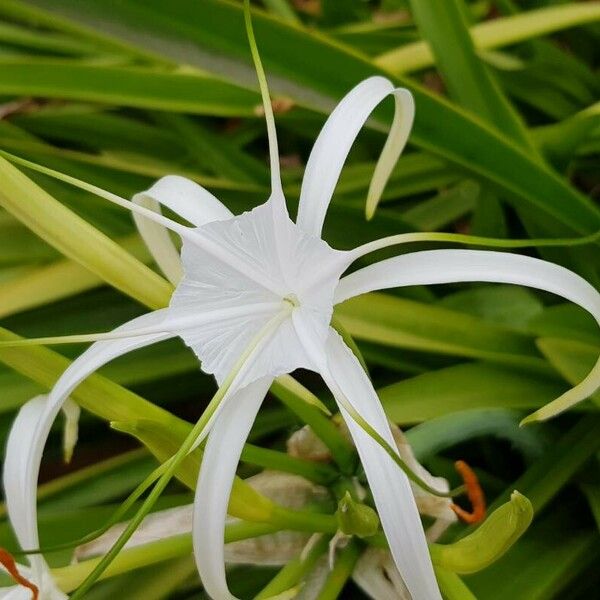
185 198
389 485
17 487
396 506
452 266
20 494
22 476
337 137
219 464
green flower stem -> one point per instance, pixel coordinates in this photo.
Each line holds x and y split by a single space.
452 586
473 240
303 520
341 572
290 393
392 453
319 473
295 571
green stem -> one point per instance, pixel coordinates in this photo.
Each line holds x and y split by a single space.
295 571
303 520
452 586
319 473
393 454
118 515
473 240
341 572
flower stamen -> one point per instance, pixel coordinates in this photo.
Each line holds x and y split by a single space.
474 492
8 562
293 300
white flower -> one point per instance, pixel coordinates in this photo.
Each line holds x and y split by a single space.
21 466
254 298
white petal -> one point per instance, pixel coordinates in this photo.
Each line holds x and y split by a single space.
389 485
21 477
185 198
347 380
20 491
451 266
337 137
21 442
219 464
270 248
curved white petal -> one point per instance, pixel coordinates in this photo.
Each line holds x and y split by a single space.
185 198
390 487
19 490
396 506
451 266
337 137
23 473
219 464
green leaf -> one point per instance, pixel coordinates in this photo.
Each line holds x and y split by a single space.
548 475
465 387
440 433
463 139
77 239
126 86
509 305
499 32
394 321
468 79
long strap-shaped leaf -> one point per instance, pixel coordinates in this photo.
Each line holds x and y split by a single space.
315 71
77 239
443 24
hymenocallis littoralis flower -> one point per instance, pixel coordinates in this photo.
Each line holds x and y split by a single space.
254 299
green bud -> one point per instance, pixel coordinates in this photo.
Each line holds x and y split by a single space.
355 518
489 541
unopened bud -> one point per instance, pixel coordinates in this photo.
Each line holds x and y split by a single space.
355 518
489 541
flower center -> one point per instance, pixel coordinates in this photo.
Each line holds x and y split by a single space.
292 299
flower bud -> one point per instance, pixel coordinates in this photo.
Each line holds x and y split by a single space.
355 518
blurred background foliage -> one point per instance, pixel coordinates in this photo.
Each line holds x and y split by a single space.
506 144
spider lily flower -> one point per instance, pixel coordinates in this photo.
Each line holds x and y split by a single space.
254 296
21 466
